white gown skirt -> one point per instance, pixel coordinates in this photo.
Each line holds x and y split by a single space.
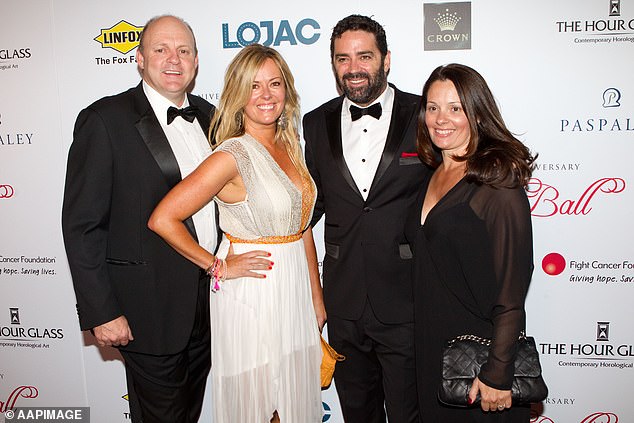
265 346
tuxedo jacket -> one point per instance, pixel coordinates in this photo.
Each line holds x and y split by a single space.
367 255
120 165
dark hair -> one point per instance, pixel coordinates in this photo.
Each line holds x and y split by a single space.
359 23
156 18
494 156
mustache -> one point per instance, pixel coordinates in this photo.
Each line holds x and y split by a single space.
356 75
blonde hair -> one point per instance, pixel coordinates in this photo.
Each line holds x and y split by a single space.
228 121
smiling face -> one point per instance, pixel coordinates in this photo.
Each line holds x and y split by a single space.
268 97
445 119
360 70
168 60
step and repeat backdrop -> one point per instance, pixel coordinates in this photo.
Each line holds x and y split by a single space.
561 73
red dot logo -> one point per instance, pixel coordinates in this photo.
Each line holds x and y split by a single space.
553 264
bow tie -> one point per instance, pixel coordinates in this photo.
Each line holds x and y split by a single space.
188 113
374 111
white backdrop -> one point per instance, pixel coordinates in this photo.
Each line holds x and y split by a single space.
561 72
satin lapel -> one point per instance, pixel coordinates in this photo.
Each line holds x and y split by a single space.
156 141
152 134
333 129
401 116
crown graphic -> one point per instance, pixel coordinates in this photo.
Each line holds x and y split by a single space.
447 21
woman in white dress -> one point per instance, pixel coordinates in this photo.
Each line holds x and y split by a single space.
267 307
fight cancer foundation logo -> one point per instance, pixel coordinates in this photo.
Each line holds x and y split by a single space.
601 272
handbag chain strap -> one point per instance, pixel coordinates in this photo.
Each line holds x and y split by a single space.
478 339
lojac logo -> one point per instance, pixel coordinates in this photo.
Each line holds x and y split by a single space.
122 37
6 191
447 26
546 199
19 392
305 32
611 99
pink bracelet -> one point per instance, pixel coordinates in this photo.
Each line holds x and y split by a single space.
214 272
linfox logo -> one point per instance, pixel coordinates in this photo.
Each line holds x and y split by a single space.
122 37
270 33
6 191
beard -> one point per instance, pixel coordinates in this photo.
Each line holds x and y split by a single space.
368 93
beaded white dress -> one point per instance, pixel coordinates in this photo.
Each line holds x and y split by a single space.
266 351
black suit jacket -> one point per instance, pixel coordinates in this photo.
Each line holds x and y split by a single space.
120 165
367 255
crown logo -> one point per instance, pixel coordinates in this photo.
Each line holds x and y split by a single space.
447 21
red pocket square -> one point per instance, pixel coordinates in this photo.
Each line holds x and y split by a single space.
405 154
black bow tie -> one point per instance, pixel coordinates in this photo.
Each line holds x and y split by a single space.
188 113
374 111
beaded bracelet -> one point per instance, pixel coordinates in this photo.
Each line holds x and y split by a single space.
217 271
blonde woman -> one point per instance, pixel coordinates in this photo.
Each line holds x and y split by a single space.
267 306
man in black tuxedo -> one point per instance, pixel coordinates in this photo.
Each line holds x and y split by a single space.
133 291
361 152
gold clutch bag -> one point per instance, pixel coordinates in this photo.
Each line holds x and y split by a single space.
328 361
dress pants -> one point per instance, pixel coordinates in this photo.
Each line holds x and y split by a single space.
170 388
378 374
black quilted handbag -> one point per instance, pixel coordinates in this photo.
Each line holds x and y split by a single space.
461 361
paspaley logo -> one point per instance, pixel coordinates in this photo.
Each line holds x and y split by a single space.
270 33
606 121
122 37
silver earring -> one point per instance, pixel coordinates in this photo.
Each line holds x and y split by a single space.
282 121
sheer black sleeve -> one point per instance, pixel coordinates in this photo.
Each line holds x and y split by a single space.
506 214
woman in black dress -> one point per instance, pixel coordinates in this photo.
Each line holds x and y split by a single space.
472 235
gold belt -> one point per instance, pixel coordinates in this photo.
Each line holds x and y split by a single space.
281 239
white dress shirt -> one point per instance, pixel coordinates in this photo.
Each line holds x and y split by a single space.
363 140
190 146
